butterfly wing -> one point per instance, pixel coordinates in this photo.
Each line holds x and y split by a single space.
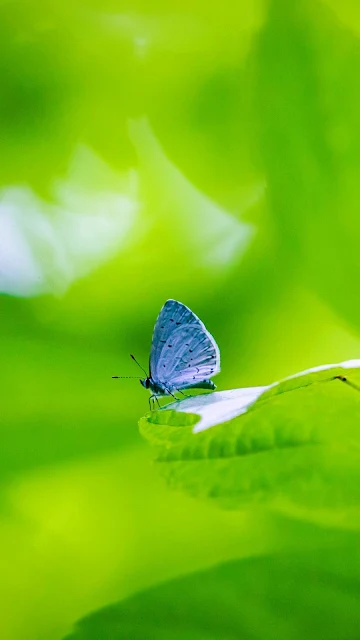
172 316
190 355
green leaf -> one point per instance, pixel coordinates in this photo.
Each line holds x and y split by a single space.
294 449
306 103
310 595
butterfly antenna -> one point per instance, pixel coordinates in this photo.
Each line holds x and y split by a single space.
137 377
139 365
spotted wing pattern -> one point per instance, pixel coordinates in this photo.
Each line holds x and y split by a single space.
187 353
173 315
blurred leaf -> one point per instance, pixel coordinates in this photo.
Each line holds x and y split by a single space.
213 236
296 450
307 104
300 596
44 248
167 207
76 72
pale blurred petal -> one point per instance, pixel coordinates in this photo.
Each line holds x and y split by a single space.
215 236
45 247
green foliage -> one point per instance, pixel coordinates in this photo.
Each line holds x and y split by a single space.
232 130
308 595
305 85
296 449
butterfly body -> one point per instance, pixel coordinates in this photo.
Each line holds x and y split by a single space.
159 389
184 355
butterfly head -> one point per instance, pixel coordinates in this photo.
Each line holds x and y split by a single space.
145 383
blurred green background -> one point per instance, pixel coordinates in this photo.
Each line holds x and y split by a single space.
208 153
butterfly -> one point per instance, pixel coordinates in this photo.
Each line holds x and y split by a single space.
184 355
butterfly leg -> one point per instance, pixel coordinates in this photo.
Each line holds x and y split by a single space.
171 394
153 398
184 394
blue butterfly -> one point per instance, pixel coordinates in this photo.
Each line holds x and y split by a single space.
184 355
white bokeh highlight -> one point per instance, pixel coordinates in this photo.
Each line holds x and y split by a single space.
45 247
